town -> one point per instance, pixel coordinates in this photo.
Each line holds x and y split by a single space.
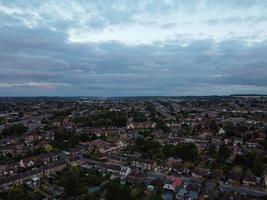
148 148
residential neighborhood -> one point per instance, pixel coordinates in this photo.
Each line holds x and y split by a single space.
142 148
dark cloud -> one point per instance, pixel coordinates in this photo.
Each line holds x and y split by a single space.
41 60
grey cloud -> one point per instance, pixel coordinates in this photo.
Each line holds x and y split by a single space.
41 61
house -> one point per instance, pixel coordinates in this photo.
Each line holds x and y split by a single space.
117 158
125 171
136 176
12 169
156 176
113 169
234 177
265 179
2 170
218 175
25 163
173 163
20 178
192 195
143 163
43 159
249 179
181 194
172 183
199 173
141 125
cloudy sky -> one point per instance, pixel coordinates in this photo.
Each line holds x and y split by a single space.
132 47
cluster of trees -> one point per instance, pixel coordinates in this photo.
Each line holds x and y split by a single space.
213 126
2 120
145 133
147 147
17 129
137 116
77 181
18 192
86 137
264 142
72 184
251 160
153 150
161 124
60 114
233 130
221 155
103 118
115 191
184 151
64 139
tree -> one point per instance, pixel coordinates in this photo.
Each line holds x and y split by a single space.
2 120
147 147
48 148
153 197
264 143
252 160
223 153
18 192
258 167
72 182
213 125
193 130
229 128
211 150
64 139
21 114
118 192
17 129
139 117
188 152
90 196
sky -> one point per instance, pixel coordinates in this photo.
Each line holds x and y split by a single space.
133 47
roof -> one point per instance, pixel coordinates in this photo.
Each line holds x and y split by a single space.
175 181
181 192
192 195
249 176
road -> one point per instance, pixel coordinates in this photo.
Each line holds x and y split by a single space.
242 189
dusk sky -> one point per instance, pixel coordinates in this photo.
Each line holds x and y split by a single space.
133 47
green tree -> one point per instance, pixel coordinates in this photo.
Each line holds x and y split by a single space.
264 143
65 139
258 167
153 197
229 128
17 129
252 160
118 192
48 148
2 120
188 152
193 130
223 153
213 126
90 196
18 193
72 182
211 150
